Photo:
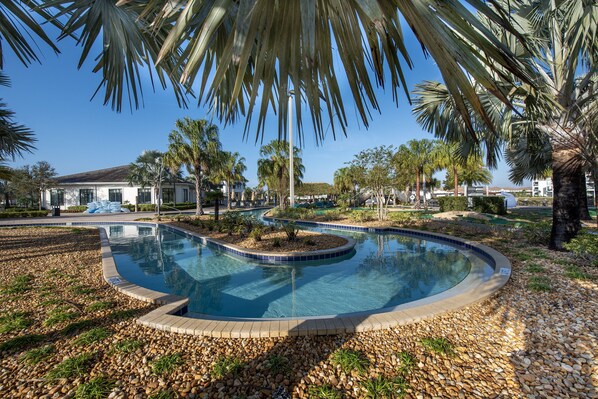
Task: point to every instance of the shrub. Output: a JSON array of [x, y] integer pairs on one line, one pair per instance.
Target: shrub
[[256, 233], [438, 345], [20, 342], [585, 245], [166, 364], [402, 218], [539, 283], [128, 345], [19, 284], [323, 392], [407, 362], [23, 214], [291, 230], [98, 388], [76, 208], [76, 366], [227, 365], [494, 205], [14, 321], [91, 336], [277, 364], [383, 387], [537, 233], [452, 204], [276, 242], [362, 216], [349, 360], [36, 355]]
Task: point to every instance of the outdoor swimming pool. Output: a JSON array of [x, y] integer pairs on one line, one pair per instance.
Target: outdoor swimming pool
[[385, 270]]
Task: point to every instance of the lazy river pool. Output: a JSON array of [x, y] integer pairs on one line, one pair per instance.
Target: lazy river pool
[[384, 270]]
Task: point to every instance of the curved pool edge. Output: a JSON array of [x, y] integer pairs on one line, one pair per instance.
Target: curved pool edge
[[168, 317], [270, 257]]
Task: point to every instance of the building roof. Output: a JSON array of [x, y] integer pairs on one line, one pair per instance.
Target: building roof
[[115, 174]]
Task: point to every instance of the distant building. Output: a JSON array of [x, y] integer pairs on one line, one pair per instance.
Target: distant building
[[112, 184], [543, 187]]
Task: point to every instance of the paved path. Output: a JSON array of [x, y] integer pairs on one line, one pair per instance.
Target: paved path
[[85, 217]]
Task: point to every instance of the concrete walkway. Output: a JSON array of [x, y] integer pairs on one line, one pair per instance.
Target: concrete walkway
[[86, 217]]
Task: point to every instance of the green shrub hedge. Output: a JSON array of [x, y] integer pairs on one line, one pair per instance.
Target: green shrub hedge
[[452, 204], [23, 214], [494, 205]]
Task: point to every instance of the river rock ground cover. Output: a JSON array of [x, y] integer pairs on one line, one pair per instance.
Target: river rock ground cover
[[66, 333]]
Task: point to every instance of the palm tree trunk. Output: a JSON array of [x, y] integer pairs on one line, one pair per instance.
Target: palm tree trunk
[[417, 189], [584, 211], [198, 189], [228, 195], [456, 182], [566, 213]]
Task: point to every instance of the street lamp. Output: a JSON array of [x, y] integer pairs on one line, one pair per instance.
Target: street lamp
[[291, 153], [160, 167]]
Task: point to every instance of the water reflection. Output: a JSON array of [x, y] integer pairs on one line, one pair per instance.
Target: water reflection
[[385, 270]]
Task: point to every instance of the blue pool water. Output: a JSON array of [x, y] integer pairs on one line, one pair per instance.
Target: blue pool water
[[385, 270]]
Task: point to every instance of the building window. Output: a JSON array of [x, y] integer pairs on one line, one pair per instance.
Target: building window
[[85, 196], [115, 195], [57, 197], [168, 195], [144, 196], [185, 195]]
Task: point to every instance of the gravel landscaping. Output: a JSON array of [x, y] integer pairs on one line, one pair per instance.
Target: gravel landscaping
[[64, 333]]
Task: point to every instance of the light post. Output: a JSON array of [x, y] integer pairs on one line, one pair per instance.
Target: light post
[[160, 166], [291, 152]]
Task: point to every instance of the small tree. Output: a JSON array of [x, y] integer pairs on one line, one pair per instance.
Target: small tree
[[148, 171], [374, 172], [42, 175]]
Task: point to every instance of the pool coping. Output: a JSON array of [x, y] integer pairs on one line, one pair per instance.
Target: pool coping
[[168, 317], [270, 257]]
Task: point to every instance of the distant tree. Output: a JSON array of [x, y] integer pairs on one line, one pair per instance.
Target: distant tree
[[23, 188], [231, 170], [374, 172], [273, 168], [42, 176], [415, 157], [195, 144], [148, 171]]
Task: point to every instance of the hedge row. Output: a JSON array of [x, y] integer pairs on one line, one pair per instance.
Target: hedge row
[[493, 205], [452, 204], [23, 214]]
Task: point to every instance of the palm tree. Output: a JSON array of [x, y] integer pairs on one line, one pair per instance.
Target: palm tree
[[416, 157], [555, 118], [246, 53], [148, 171], [345, 181], [273, 168], [195, 144], [231, 171]]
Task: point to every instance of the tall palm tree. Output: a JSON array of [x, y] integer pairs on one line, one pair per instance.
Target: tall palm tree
[[246, 53], [231, 171], [195, 144], [416, 157], [148, 171], [556, 114], [273, 168]]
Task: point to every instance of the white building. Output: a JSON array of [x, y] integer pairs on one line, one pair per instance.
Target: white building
[[112, 184], [543, 187]]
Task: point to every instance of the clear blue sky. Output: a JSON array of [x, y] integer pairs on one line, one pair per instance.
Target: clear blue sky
[[75, 134]]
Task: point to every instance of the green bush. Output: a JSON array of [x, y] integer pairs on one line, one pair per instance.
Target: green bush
[[585, 245], [291, 230], [452, 204], [362, 216], [293, 213], [494, 205], [76, 208], [22, 214], [537, 233]]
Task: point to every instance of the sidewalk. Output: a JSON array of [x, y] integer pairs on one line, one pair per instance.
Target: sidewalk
[[85, 217]]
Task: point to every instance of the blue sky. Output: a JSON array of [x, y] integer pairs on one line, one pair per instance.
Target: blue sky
[[75, 134]]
